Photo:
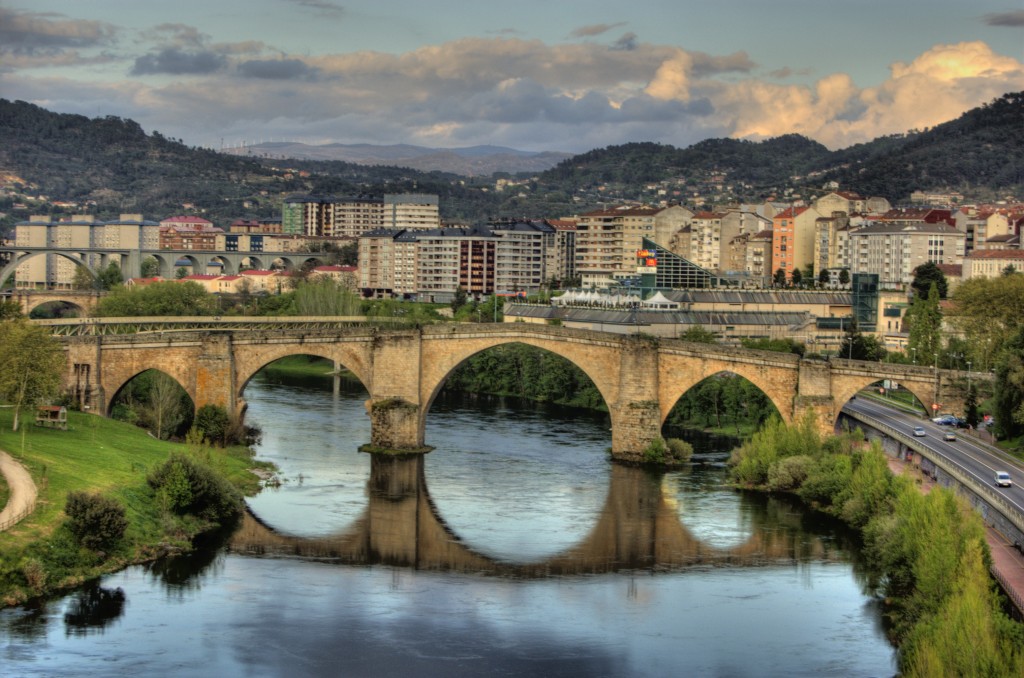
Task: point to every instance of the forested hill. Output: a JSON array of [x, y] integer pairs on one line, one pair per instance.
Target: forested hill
[[113, 163], [982, 152]]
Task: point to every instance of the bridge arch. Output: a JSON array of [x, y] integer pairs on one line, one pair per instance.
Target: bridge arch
[[254, 358], [22, 257], [71, 308], [438, 365], [846, 388], [681, 373], [226, 264], [724, 379], [164, 400]]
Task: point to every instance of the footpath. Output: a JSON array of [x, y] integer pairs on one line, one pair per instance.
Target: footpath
[[1007, 561], [22, 499]]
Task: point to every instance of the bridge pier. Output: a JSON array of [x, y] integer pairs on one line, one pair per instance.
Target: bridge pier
[[395, 427], [215, 374]]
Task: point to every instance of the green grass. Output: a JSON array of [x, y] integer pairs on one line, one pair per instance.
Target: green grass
[[301, 365], [5, 492], [111, 458]]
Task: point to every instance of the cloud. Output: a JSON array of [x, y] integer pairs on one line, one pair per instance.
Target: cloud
[[595, 29], [277, 69], [1013, 19], [28, 32], [626, 42], [173, 61], [320, 6], [520, 93]]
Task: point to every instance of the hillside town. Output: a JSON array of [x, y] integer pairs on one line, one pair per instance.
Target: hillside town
[[770, 270]]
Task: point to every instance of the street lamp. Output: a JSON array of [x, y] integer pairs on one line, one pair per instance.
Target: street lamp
[[914, 355], [968, 376]]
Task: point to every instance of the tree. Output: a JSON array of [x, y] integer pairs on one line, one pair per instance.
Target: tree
[[32, 363], [797, 277], [110, 276], [1009, 389], [1009, 270], [925, 276], [459, 300], [780, 278], [83, 279], [180, 272], [159, 298], [9, 310], [925, 320], [699, 334], [824, 277], [971, 415], [857, 346], [150, 267], [97, 521], [165, 410], [844, 277], [989, 312]]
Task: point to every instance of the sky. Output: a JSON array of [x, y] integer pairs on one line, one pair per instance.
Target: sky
[[557, 75]]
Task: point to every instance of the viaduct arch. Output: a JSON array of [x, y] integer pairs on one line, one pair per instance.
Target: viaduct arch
[[640, 378]]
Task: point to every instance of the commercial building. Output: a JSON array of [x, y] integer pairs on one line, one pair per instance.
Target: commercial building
[[893, 250], [607, 240], [992, 263]]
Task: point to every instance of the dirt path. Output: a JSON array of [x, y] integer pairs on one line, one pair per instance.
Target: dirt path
[[23, 491]]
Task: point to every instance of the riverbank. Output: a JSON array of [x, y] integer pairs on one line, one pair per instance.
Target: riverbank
[[96, 455]]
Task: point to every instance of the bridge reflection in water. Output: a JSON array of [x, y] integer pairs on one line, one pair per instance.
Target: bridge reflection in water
[[639, 527]]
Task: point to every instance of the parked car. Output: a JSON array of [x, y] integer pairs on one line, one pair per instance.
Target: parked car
[[919, 432], [1003, 479], [949, 436]]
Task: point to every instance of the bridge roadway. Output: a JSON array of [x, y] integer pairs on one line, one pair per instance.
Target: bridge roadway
[[1002, 508], [404, 367], [639, 527]]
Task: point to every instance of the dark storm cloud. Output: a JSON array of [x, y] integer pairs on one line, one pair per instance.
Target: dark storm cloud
[[595, 29], [174, 61], [1014, 19], [321, 6], [277, 69], [626, 42], [27, 32]]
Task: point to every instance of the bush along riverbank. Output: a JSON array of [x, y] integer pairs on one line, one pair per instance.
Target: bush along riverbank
[[927, 552], [110, 495]]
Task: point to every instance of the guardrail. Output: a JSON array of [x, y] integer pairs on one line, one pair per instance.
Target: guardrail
[[951, 468], [77, 327]]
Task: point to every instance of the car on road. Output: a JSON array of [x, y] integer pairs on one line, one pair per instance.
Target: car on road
[[945, 420], [919, 432], [1003, 479], [949, 436]]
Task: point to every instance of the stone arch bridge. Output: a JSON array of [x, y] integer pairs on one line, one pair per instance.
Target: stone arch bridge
[[403, 369]]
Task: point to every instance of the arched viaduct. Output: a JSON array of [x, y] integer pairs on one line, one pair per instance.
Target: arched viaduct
[[403, 369]]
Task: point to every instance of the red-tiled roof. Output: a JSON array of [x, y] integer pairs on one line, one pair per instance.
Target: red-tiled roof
[[186, 220], [996, 254], [256, 272]]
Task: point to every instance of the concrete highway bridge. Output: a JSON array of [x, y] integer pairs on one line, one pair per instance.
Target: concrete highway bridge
[[404, 367], [130, 260], [639, 527]]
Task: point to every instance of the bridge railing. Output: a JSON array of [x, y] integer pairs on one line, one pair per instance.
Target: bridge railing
[[950, 467], [73, 327]]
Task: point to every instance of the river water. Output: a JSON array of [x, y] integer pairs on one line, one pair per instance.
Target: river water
[[514, 548]]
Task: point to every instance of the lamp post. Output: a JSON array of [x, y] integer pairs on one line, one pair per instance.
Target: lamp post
[[913, 355], [968, 376]]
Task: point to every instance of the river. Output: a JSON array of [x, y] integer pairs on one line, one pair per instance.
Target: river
[[514, 548]]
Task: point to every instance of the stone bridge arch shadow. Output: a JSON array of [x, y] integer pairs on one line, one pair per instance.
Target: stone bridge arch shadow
[[155, 400], [56, 308], [553, 361], [905, 395]]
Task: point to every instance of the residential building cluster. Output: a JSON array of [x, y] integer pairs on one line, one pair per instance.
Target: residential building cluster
[[405, 251]]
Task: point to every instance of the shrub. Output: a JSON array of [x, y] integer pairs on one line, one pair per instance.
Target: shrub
[[679, 450], [96, 521], [789, 473], [187, 486], [213, 422]]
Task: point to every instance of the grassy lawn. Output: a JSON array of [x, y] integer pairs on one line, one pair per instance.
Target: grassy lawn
[[111, 458], [5, 493]]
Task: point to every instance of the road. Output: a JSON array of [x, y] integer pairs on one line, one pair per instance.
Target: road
[[976, 458]]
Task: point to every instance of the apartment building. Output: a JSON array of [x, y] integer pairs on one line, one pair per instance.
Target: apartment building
[[387, 263], [560, 250], [416, 211], [831, 242], [981, 226], [893, 250], [520, 254], [188, 233], [129, 231], [758, 263], [992, 263], [607, 240], [450, 258], [793, 239]]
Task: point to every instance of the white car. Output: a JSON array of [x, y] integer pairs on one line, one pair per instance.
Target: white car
[[1003, 479], [919, 432]]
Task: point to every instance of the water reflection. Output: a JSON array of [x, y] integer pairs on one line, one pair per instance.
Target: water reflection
[[639, 527], [92, 609]]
